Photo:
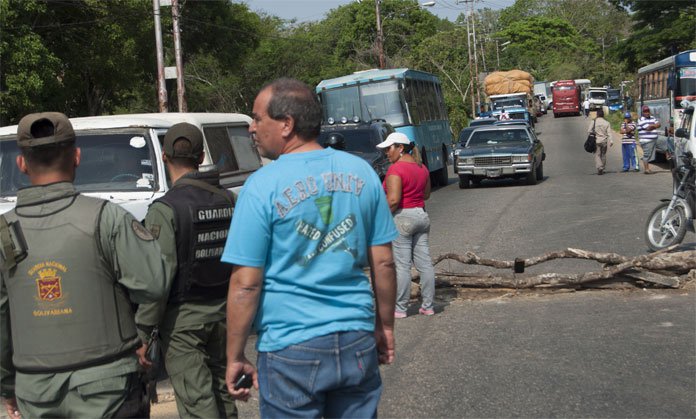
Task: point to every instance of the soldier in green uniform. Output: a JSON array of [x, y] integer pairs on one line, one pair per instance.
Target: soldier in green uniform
[[191, 222], [72, 269]]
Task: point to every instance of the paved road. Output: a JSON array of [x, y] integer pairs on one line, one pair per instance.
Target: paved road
[[590, 353]]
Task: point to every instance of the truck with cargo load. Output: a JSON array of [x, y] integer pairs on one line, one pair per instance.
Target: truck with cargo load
[[511, 90]]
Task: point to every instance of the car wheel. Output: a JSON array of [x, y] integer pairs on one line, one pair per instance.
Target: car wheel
[[532, 177], [540, 171], [464, 181], [476, 181], [555, 115]]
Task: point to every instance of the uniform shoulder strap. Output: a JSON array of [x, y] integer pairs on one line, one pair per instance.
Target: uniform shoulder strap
[[12, 244]]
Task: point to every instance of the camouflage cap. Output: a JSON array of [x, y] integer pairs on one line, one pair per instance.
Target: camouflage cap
[[188, 132], [62, 129]]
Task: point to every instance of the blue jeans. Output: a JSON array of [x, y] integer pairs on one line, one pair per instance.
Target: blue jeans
[[332, 376], [412, 245], [628, 151]]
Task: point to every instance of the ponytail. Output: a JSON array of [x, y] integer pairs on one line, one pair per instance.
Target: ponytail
[[413, 151], [417, 156]]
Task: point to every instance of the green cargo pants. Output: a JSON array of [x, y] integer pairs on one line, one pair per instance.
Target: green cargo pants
[[102, 398], [195, 361]]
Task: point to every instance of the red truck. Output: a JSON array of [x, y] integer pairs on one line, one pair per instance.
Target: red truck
[[566, 98]]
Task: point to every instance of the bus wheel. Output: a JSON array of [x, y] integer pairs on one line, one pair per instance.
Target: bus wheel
[[443, 177]]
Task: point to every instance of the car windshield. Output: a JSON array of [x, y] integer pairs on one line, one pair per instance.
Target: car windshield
[[498, 137], [598, 95], [464, 135], [359, 140], [110, 162], [508, 103]]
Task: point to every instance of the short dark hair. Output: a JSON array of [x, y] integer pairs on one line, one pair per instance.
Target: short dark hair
[[600, 112], [50, 157], [292, 98], [182, 146]]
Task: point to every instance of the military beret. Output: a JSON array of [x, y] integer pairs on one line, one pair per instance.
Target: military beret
[[186, 131], [62, 129]]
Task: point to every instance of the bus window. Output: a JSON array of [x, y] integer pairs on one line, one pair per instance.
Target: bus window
[[383, 100], [413, 107]]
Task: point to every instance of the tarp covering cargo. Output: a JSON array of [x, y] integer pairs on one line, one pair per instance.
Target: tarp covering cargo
[[505, 82]]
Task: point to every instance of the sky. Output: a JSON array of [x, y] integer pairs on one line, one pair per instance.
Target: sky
[[311, 10]]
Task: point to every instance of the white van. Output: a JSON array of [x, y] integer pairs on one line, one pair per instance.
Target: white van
[[122, 156]]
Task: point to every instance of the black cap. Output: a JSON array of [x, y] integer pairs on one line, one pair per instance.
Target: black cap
[[188, 132], [62, 129]]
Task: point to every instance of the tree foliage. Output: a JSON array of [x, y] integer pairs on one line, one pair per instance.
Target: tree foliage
[[660, 29], [88, 57]]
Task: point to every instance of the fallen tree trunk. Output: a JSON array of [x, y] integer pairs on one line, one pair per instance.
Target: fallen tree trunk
[[662, 268]]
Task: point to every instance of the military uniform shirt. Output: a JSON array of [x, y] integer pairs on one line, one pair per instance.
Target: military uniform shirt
[[137, 265]]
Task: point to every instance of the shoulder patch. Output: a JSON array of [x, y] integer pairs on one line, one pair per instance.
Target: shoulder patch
[[141, 231], [155, 230]]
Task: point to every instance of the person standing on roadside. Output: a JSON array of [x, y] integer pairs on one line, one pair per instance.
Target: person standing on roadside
[[647, 134], [586, 107], [628, 143], [72, 269], [303, 230], [603, 132], [407, 185], [191, 222]]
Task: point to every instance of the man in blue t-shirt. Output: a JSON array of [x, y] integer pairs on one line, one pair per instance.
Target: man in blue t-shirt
[[304, 228]]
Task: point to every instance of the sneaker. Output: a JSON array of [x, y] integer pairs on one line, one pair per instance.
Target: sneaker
[[426, 311], [400, 315]]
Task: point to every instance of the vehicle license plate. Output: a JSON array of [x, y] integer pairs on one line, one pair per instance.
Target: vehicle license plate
[[493, 172]]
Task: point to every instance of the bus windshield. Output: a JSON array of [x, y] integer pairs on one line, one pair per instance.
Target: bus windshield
[[343, 102], [380, 100], [687, 84]]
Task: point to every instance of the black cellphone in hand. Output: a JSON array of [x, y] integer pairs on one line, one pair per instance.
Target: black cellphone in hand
[[244, 381]]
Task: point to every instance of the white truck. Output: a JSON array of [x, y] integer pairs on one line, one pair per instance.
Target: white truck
[[597, 97]]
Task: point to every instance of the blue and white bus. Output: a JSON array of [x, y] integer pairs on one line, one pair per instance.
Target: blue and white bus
[[667, 85], [410, 100]]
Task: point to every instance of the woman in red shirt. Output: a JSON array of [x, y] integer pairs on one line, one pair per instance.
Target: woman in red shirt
[[407, 185]]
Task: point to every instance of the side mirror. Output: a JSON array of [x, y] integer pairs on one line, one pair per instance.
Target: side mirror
[[681, 133]]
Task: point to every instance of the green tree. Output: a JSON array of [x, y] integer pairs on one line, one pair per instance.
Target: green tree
[[660, 29], [445, 55], [27, 66]]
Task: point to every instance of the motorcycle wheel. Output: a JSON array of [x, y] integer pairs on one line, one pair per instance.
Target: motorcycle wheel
[[658, 235]]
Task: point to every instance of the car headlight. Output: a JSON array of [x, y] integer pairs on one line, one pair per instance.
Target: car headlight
[[522, 159], [465, 160]]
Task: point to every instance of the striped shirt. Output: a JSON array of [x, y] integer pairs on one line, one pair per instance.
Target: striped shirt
[[628, 137], [643, 134]]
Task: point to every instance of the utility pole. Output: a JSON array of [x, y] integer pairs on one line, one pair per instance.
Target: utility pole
[[180, 89], [161, 86], [476, 71], [472, 78], [380, 39]]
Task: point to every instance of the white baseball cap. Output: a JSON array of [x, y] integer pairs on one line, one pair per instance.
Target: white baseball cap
[[394, 138]]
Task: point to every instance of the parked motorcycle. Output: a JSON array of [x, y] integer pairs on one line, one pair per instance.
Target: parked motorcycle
[[669, 221]]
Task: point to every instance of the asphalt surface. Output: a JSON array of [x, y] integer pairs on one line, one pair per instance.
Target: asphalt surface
[[562, 354]]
